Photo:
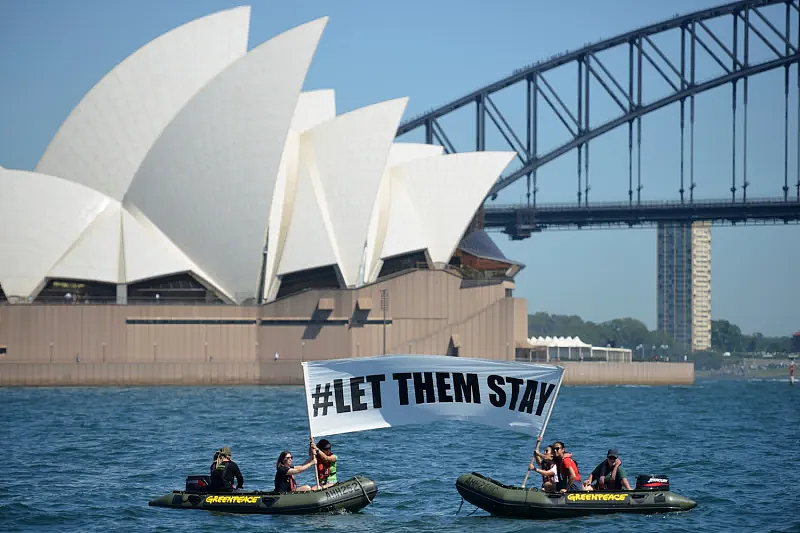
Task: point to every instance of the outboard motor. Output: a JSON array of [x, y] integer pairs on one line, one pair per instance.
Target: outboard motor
[[198, 483], [652, 482]]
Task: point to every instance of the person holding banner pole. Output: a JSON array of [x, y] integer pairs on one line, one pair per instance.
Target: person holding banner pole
[[544, 427], [313, 451], [548, 470], [312, 447], [326, 465]]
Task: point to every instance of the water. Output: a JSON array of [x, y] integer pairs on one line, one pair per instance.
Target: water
[[89, 459]]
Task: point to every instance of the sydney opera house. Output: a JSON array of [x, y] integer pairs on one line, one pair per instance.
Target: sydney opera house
[[198, 218]]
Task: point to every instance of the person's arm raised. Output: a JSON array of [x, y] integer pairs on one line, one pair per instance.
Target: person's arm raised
[[302, 468], [537, 455]]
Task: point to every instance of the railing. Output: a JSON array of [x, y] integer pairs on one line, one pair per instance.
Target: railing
[[636, 205]]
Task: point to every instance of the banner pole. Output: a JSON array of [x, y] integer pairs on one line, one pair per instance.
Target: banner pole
[[544, 426], [310, 429]]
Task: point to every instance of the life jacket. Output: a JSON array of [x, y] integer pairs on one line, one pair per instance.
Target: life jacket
[[601, 481], [323, 471], [218, 481], [326, 472]]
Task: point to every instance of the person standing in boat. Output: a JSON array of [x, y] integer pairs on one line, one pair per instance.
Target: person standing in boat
[[284, 475], [569, 477], [224, 472], [608, 475], [326, 464]]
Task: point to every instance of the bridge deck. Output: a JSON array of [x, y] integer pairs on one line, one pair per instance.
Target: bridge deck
[[519, 221]]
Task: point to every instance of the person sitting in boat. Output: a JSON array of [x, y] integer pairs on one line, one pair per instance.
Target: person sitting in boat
[[284, 476], [569, 477], [326, 464], [608, 475], [546, 466], [213, 463], [224, 472]]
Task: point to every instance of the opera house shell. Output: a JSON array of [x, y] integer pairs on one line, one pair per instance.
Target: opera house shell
[[196, 156], [197, 172]]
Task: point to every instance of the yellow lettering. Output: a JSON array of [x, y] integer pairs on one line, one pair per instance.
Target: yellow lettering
[[231, 499], [593, 496]]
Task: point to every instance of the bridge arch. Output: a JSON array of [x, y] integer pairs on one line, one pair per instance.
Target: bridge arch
[[680, 74]]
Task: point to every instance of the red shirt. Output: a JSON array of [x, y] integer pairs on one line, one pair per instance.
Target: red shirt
[[567, 462]]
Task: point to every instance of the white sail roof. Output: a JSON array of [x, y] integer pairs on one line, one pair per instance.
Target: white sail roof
[[192, 154], [313, 108], [445, 193], [40, 218], [95, 253], [105, 138], [398, 154], [217, 161], [404, 229], [55, 228], [148, 253]]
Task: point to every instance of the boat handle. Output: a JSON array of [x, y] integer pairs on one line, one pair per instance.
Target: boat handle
[[638, 496], [362, 489]]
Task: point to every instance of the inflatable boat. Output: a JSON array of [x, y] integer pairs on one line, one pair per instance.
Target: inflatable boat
[[651, 496], [351, 495]]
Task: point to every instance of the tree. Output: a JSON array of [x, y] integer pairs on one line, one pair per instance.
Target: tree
[[631, 333], [726, 337]]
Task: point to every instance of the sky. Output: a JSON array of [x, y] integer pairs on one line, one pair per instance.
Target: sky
[[434, 52]]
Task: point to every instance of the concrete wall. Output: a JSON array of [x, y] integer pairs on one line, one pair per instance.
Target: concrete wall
[[288, 373], [160, 344], [429, 312], [586, 373]]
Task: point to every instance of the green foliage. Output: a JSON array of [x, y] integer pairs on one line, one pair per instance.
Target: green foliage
[[711, 360], [620, 332], [727, 337], [632, 333]]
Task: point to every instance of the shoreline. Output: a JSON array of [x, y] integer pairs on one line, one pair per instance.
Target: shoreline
[[288, 372], [706, 375]]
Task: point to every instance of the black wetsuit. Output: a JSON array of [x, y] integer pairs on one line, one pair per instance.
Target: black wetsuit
[[223, 475]]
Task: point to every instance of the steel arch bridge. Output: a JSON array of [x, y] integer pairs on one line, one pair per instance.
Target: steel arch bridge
[[624, 87]]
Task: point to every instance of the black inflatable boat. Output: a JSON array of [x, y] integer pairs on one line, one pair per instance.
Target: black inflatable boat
[[503, 500], [351, 495]]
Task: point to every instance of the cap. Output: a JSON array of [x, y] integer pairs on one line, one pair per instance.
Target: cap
[[226, 451], [613, 452]]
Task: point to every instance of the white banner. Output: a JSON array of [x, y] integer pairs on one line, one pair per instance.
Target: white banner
[[346, 395]]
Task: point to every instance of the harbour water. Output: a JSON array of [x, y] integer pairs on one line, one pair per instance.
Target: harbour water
[[89, 459]]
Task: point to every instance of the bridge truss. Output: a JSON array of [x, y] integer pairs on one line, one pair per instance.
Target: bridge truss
[[747, 24]]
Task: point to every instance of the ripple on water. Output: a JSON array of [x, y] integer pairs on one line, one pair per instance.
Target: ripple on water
[[94, 457]]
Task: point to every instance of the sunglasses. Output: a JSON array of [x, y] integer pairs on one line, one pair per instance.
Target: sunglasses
[[556, 448]]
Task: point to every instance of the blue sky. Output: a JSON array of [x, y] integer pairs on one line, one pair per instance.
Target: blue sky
[[433, 52]]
